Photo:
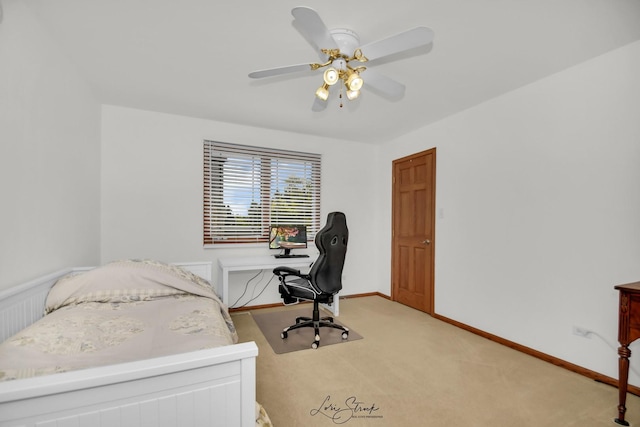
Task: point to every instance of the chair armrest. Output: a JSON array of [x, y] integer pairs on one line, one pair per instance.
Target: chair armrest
[[286, 271]]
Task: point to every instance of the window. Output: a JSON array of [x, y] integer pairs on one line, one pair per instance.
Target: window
[[248, 188]]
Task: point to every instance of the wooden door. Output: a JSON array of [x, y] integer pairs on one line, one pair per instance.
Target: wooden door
[[413, 218]]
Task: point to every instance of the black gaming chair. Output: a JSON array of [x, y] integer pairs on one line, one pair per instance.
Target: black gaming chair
[[323, 281]]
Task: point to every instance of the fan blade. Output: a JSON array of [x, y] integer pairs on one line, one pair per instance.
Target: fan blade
[[386, 86], [280, 70], [415, 37], [309, 23]]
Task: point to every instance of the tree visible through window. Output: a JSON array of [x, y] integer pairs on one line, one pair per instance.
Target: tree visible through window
[[246, 189]]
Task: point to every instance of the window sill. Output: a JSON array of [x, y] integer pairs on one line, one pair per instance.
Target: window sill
[[235, 245]]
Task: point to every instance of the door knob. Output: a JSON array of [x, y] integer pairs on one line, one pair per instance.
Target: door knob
[[426, 241]]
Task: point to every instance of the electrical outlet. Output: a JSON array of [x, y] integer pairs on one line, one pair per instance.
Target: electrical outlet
[[581, 332]]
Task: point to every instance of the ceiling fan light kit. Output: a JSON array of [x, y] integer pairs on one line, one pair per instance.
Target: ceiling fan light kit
[[345, 68]]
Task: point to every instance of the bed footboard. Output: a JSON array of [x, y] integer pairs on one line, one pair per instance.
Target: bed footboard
[[214, 387]]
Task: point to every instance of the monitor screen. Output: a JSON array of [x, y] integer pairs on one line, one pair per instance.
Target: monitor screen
[[287, 237]]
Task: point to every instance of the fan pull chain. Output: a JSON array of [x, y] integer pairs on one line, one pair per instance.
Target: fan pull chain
[[340, 96]]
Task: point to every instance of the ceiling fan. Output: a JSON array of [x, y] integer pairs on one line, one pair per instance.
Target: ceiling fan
[[344, 59]]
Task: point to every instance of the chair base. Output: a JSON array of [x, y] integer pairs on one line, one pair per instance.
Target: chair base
[[316, 322]]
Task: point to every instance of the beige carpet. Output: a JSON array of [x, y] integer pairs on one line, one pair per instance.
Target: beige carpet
[[271, 324], [414, 370]]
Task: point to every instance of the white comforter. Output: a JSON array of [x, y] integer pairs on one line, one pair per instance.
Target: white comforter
[[123, 311]]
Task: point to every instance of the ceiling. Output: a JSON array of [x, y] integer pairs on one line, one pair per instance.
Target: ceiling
[[192, 57]]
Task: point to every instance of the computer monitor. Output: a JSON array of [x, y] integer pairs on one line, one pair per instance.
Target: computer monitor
[[287, 237]]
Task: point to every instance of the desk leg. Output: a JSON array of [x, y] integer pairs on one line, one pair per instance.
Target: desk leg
[[333, 308], [623, 374], [223, 282]]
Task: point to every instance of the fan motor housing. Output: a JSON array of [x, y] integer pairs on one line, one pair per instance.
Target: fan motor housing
[[347, 40]]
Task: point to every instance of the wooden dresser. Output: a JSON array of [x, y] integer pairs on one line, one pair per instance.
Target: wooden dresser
[[628, 331]]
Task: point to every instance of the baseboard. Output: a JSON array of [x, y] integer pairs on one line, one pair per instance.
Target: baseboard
[[539, 355], [518, 347], [368, 294]]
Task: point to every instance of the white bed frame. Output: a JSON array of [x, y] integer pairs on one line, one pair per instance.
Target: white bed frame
[[214, 387]]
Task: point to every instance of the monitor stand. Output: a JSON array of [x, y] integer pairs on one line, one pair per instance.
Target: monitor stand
[[287, 254]]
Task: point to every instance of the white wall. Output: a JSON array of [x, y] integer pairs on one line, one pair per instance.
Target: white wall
[[152, 192], [540, 200], [49, 155]]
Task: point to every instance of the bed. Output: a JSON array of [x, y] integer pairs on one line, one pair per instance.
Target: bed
[[119, 372]]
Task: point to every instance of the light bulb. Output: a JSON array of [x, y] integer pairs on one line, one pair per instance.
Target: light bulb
[[352, 94], [354, 82], [331, 76], [323, 92]]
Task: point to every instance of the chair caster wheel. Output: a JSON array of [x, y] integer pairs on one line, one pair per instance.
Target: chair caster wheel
[[284, 335], [315, 345], [345, 335]]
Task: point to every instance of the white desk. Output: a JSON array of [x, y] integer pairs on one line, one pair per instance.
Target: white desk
[[227, 265]]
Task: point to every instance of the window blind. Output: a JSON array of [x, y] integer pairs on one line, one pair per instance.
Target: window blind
[[246, 189]]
